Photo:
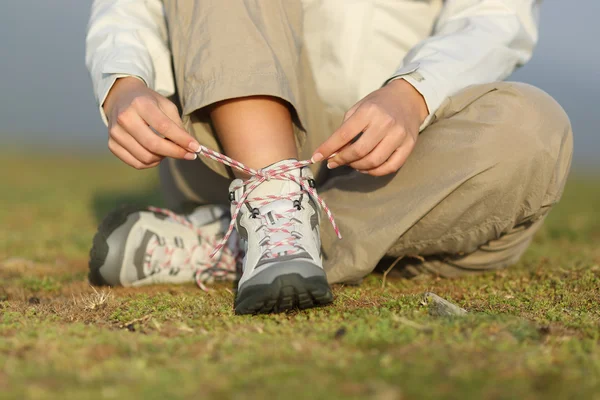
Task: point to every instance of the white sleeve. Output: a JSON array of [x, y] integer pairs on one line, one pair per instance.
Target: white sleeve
[[128, 38], [474, 42]]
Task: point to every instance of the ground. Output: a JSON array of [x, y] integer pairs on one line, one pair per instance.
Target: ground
[[532, 331]]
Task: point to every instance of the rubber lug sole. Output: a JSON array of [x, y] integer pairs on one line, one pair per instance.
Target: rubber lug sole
[[99, 249], [285, 293]]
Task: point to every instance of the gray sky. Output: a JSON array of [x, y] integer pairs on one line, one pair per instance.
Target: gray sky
[[46, 95]]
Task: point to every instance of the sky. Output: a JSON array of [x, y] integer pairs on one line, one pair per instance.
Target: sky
[[46, 96]]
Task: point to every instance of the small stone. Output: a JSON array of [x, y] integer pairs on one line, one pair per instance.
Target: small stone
[[34, 300], [130, 327], [441, 307]]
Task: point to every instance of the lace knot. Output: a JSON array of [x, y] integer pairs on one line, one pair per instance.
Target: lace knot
[[266, 174]]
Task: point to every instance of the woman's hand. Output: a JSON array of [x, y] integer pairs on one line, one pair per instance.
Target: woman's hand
[[389, 120], [132, 108]]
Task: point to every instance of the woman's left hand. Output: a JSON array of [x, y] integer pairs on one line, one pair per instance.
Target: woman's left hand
[[389, 120]]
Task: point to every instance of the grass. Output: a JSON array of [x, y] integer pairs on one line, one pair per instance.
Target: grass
[[532, 332]]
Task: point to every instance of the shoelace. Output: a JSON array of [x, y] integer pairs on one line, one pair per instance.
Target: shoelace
[[292, 236], [258, 176], [224, 268]]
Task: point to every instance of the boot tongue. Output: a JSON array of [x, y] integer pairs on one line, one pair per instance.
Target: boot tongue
[[274, 209], [277, 187]]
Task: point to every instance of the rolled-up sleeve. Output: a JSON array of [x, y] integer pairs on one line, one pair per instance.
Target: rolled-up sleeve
[[128, 38], [474, 42]]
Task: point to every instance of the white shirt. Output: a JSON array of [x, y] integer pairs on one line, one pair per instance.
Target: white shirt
[[355, 46]]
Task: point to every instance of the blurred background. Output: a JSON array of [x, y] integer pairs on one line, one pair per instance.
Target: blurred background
[[46, 99]]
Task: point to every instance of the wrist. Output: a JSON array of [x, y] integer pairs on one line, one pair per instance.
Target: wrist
[[416, 98], [121, 84]]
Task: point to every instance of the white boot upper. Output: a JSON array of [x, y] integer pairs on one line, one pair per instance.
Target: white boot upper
[[279, 223], [164, 247]]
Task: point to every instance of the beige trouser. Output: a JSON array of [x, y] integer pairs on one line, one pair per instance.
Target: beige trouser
[[476, 188]]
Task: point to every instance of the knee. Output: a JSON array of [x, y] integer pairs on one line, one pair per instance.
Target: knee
[[532, 131], [534, 147], [538, 121]]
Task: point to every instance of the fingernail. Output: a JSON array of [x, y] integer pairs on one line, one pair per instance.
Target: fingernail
[[317, 157], [362, 172], [190, 156], [331, 156], [194, 146], [332, 165]]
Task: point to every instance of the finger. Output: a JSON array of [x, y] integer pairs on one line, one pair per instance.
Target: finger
[[125, 140], [354, 125], [125, 156], [141, 132], [394, 163], [161, 123], [360, 148], [351, 111], [380, 154], [171, 111]]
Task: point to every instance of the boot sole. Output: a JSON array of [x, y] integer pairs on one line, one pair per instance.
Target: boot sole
[[285, 293], [99, 249]]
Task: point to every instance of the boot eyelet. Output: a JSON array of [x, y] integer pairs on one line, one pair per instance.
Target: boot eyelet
[[297, 205]]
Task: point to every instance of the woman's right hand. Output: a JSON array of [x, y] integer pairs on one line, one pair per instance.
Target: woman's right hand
[[132, 108]]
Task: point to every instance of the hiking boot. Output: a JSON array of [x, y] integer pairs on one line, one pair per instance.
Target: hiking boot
[[143, 246], [277, 220]]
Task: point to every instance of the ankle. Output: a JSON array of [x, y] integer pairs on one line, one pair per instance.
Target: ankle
[[256, 131]]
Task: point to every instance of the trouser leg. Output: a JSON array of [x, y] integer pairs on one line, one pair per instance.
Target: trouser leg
[[475, 189], [188, 184], [495, 254], [225, 49]]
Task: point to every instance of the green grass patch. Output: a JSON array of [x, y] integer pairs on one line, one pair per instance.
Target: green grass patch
[[532, 331]]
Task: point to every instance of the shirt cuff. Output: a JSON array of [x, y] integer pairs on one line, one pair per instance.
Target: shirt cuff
[[419, 79], [106, 84]]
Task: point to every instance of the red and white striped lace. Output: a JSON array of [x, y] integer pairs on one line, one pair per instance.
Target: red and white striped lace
[[258, 176], [224, 268], [292, 237]]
